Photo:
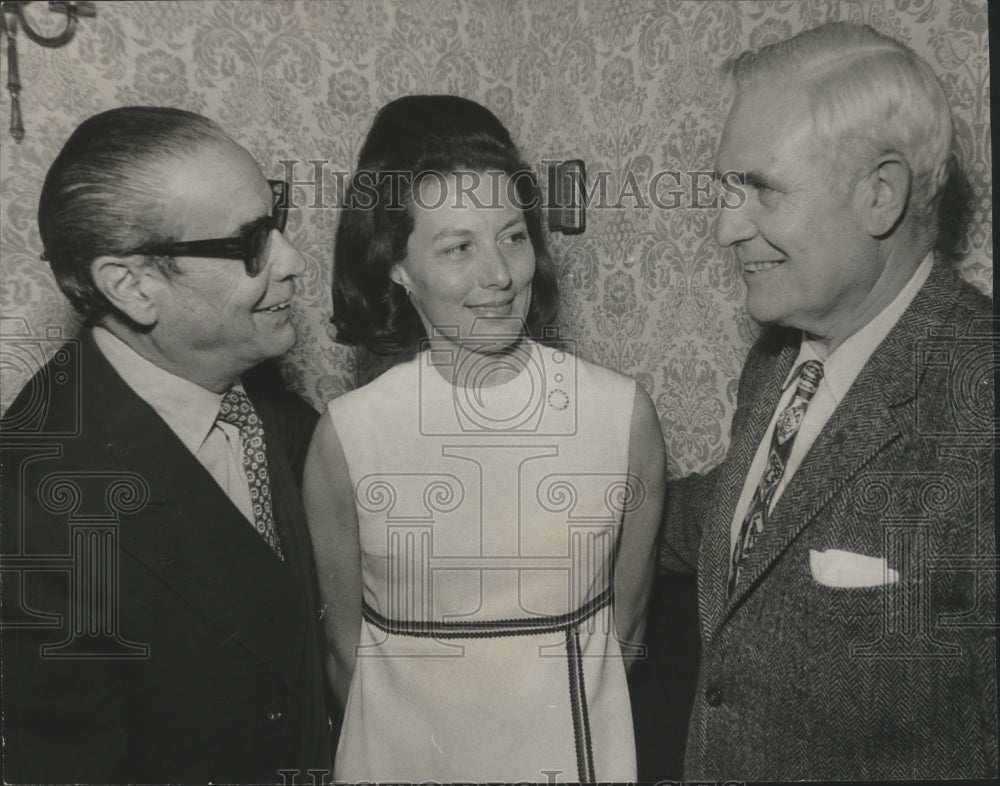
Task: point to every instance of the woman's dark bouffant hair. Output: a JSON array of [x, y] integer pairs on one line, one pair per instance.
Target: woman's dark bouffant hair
[[440, 134]]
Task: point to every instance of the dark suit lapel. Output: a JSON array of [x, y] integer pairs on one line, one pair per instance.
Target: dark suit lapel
[[764, 386], [190, 534], [869, 418]]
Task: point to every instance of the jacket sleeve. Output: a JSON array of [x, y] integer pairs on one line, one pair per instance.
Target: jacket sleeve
[[686, 510]]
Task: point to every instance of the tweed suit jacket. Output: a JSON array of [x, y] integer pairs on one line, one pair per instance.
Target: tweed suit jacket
[[802, 680], [203, 663]]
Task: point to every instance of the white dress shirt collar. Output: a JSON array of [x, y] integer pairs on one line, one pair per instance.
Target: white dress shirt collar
[[844, 364], [187, 408]]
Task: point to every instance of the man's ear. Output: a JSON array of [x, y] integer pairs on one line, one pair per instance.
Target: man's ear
[[881, 197], [129, 284]]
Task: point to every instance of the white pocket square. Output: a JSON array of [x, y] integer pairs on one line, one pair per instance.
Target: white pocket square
[[836, 568]]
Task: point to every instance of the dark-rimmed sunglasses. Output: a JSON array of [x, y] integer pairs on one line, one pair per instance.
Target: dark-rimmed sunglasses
[[251, 245]]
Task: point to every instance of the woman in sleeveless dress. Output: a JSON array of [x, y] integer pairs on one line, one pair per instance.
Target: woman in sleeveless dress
[[484, 513]]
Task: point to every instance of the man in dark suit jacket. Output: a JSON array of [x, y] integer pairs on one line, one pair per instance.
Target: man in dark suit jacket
[[845, 549], [160, 613]]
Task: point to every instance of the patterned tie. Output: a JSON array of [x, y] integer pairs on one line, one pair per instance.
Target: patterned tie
[[785, 429], [237, 410]]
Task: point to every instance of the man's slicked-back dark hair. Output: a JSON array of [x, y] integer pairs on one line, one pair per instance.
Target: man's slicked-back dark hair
[[102, 194], [440, 135]]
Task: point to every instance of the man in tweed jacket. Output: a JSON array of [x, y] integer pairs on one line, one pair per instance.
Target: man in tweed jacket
[[858, 638]]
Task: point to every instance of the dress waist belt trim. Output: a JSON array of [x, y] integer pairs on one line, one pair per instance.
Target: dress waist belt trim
[[458, 629], [525, 626]]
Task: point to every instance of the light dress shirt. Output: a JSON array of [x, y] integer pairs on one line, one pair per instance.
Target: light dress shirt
[[190, 411], [840, 370]]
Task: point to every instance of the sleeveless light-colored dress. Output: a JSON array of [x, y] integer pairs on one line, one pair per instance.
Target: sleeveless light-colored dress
[[488, 522]]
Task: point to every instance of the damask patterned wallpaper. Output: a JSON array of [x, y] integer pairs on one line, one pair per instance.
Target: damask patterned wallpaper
[[629, 86]]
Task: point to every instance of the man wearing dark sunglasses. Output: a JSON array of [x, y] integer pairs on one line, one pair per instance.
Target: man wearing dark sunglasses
[[159, 605], [251, 244]]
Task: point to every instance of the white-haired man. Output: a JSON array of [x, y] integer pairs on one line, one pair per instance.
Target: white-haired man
[[846, 547]]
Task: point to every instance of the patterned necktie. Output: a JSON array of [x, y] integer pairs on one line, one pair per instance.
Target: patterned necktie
[[237, 410], [785, 429]]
